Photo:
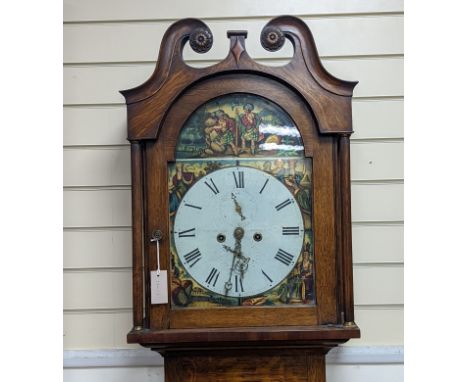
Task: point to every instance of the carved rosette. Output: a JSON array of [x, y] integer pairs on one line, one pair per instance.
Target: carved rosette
[[201, 40], [272, 38]]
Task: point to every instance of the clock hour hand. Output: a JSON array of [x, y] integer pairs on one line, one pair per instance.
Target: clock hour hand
[[238, 206], [228, 284], [229, 249], [239, 261], [237, 251]]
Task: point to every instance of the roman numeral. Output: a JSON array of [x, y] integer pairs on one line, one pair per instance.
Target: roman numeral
[[284, 257], [268, 277], [212, 186], [212, 277], [290, 230], [239, 179], [280, 206], [187, 233], [239, 284], [192, 257], [192, 206], [264, 185]]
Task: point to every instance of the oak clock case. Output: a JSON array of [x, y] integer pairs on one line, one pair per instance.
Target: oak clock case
[[244, 170]]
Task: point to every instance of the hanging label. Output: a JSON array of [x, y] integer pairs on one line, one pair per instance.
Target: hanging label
[[159, 287]]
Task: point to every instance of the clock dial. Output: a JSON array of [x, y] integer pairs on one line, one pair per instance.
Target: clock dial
[[240, 207], [238, 231]]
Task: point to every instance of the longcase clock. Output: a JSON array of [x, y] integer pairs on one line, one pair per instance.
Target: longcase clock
[[242, 264]]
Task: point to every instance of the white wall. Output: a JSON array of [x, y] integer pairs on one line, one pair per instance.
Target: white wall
[[111, 45]]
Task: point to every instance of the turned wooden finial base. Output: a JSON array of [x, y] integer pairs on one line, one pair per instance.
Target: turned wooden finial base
[[282, 365]]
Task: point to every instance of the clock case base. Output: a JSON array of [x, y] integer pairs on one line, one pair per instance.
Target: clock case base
[[276, 336], [288, 353], [304, 365]]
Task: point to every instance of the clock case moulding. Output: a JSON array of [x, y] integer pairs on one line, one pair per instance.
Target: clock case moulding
[[321, 106]]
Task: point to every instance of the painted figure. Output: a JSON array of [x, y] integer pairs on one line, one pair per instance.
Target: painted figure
[[230, 125], [299, 185], [181, 182], [220, 133], [306, 289], [249, 127]]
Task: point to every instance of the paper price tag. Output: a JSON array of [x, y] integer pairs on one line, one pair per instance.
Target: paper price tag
[[159, 287]]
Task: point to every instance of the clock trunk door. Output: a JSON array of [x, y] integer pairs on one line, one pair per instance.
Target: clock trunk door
[[237, 181]]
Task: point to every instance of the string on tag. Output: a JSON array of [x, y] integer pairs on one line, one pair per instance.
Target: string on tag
[[158, 271]]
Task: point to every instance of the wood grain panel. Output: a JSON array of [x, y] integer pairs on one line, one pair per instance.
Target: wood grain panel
[[136, 42], [234, 317], [247, 366], [111, 10], [100, 84]]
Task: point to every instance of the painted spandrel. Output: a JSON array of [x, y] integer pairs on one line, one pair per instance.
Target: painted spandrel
[[298, 287]]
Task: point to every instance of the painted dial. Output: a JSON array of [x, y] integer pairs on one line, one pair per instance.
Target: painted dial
[[238, 231]]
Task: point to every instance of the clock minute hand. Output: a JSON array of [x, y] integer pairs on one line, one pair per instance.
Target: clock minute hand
[[238, 206]]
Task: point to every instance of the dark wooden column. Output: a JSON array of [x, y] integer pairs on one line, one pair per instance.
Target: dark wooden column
[[346, 233], [137, 233]]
